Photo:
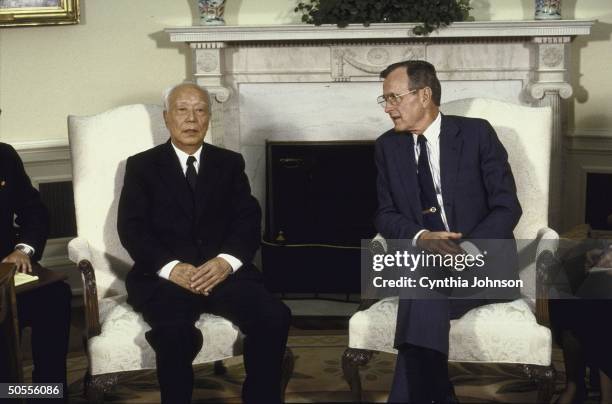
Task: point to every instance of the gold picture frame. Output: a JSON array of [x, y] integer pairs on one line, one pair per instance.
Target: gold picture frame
[[17, 13]]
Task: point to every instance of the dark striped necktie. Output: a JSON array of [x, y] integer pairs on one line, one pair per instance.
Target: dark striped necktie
[[432, 220], [191, 175]]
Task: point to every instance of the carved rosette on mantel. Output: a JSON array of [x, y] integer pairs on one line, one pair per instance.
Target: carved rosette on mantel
[[518, 61]]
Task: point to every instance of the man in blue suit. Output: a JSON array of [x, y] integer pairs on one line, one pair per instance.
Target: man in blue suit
[[441, 179]]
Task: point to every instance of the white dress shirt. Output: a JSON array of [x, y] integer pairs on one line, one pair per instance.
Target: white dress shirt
[[29, 249], [432, 134], [234, 262]]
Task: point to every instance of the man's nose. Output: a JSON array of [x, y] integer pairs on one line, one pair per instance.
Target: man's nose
[[191, 115], [388, 107]]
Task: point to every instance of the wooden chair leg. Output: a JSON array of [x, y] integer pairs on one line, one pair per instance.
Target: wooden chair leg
[[96, 386], [352, 359], [287, 371], [544, 377]]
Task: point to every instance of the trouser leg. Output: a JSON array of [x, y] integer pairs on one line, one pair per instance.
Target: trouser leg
[[264, 320], [172, 313], [47, 311], [422, 335]]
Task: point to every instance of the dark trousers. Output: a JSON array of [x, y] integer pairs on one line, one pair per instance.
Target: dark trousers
[[421, 370], [263, 319], [47, 312]]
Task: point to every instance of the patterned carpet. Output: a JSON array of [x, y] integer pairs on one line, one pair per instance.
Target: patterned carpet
[[318, 378]]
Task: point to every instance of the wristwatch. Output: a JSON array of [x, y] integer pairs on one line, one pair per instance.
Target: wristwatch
[[25, 249]]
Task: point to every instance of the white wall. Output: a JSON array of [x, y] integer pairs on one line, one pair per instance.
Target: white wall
[[119, 55]]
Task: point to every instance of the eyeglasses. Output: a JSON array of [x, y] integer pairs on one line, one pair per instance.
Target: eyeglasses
[[393, 99]]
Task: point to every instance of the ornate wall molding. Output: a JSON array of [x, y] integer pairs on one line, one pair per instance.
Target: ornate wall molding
[[592, 141]]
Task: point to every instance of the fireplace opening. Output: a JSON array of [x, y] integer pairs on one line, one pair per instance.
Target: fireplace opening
[[320, 204]]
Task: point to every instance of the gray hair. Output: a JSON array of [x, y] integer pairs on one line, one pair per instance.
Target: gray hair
[[421, 74], [168, 91]]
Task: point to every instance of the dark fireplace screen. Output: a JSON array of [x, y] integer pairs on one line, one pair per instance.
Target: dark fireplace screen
[[598, 206], [320, 203]]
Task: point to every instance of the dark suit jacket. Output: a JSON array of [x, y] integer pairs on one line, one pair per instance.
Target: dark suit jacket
[[158, 222], [477, 184], [20, 203]]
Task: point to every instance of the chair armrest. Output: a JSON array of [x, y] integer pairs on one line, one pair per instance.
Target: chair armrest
[[79, 253], [378, 245], [78, 250], [547, 265]]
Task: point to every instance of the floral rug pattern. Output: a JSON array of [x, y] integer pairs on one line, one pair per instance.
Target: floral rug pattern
[[318, 378]]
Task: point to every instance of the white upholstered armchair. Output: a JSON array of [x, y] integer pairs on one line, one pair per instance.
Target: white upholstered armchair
[[515, 332], [99, 145]]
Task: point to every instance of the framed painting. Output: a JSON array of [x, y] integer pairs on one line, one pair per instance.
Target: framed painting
[[15, 13]]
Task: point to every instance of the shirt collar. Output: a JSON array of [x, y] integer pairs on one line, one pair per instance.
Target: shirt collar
[[432, 133], [182, 156]]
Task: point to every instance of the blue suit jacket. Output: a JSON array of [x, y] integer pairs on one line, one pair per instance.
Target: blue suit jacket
[[477, 184]]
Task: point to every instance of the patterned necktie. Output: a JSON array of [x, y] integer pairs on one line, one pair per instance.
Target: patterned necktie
[[429, 202], [192, 176]]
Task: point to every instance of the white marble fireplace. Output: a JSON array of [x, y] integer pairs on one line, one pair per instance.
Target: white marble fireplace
[[299, 82]]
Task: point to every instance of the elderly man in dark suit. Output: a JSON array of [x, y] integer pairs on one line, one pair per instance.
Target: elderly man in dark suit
[[441, 179], [188, 219], [46, 310]]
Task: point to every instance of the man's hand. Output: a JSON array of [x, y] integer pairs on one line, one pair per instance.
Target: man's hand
[[21, 261], [181, 274], [440, 242], [210, 274]]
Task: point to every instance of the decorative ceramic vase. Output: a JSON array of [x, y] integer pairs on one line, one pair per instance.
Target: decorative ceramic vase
[[547, 9], [211, 12]]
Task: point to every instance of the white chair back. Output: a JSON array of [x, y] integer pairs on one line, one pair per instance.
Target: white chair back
[[99, 146], [526, 133]]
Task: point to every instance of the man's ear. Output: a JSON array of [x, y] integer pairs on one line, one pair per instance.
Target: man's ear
[[426, 95], [165, 117]]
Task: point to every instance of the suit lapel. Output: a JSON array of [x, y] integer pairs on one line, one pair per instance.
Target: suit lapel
[[450, 152], [406, 166], [171, 173]]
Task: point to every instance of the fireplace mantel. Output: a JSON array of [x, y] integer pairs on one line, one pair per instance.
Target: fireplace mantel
[[251, 69], [303, 32]]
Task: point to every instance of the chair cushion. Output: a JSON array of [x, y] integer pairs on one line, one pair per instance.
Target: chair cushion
[[500, 332], [122, 346]]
